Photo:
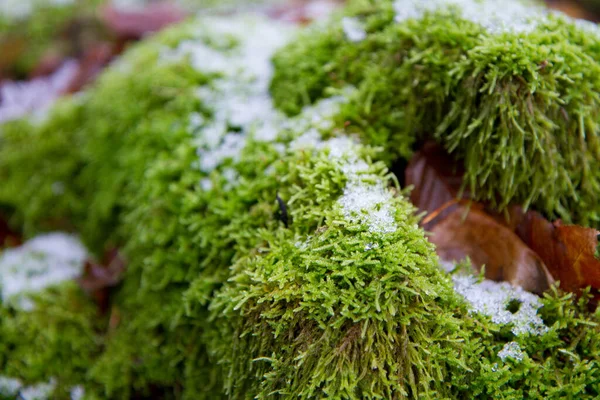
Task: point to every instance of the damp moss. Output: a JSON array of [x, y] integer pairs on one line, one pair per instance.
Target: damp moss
[[58, 339], [513, 96], [280, 260]]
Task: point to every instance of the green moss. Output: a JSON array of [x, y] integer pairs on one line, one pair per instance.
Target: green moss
[[59, 339], [519, 109], [226, 297]]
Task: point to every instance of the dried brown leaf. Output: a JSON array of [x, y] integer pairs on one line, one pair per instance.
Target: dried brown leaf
[[435, 176], [569, 251], [99, 278], [463, 230]]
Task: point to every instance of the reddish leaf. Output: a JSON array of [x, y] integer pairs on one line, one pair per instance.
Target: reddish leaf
[[435, 176], [98, 278], [568, 250], [461, 230], [91, 64], [136, 23]]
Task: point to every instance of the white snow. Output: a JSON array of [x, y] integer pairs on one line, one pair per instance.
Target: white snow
[[17, 99], [512, 350], [9, 386], [17, 9], [239, 96], [354, 29], [496, 16], [41, 262], [77, 392], [40, 391], [493, 298]]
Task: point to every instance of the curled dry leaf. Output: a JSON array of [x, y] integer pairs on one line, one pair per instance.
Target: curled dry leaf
[[461, 230], [569, 251], [91, 64], [98, 278], [435, 176]]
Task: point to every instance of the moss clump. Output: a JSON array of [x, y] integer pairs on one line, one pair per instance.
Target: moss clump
[[268, 256], [33, 28], [57, 340], [510, 90]]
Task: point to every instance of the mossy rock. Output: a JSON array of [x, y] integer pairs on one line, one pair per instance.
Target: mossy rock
[[268, 255]]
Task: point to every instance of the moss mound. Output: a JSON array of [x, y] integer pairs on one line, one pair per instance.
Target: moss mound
[[510, 89], [268, 255]]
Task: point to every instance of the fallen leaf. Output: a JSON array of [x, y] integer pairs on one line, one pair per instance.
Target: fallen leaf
[[569, 251], [91, 64], [462, 229], [435, 176], [135, 23], [99, 278]]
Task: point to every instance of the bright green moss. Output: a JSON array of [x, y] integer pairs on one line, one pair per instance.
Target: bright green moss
[[32, 35], [223, 296], [518, 108], [59, 339]]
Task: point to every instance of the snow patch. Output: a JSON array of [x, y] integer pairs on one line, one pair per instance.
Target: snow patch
[[512, 350], [18, 99], [494, 298], [19, 9], [9, 386], [41, 262], [354, 29], [40, 391], [496, 16], [239, 96]]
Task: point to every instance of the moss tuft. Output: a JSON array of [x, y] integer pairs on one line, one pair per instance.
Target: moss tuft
[[518, 106]]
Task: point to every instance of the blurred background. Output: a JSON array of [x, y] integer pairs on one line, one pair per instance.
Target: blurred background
[[52, 47]]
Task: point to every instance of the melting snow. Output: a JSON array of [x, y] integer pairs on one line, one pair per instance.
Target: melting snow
[[22, 8], [511, 350], [9, 386], [41, 262], [18, 99], [493, 298], [40, 391], [496, 16], [239, 96], [354, 29]]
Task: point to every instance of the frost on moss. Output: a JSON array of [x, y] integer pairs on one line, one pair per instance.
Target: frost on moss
[[285, 263], [508, 87]]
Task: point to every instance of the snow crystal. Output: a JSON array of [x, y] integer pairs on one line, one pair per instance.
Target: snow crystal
[[206, 184], [371, 246], [18, 99], [496, 16], [43, 261], [511, 350], [9, 386], [354, 29], [17, 9], [493, 299], [368, 204], [41, 391], [239, 97], [77, 392]]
